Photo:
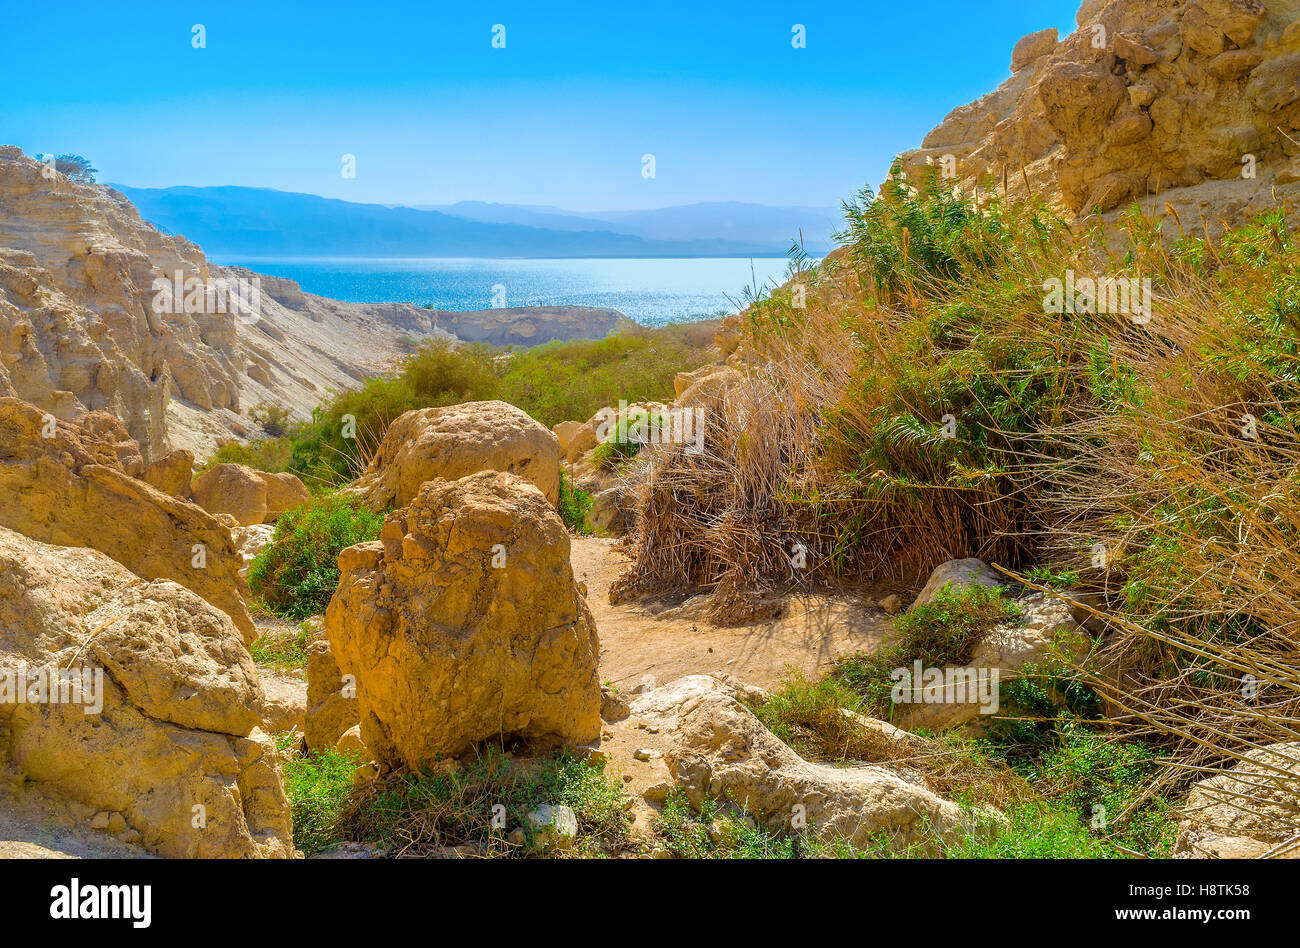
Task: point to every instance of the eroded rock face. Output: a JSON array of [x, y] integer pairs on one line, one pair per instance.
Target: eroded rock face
[[331, 703], [1199, 101], [175, 741], [1247, 813], [59, 485], [456, 441], [463, 623]]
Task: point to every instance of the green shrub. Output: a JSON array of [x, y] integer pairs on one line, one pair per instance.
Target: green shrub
[[721, 831], [296, 574], [318, 788], [564, 381], [282, 647], [554, 382], [273, 455], [276, 419], [448, 807], [940, 633], [575, 504], [626, 440]]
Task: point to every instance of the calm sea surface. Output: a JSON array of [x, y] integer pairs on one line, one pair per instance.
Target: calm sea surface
[[651, 291]]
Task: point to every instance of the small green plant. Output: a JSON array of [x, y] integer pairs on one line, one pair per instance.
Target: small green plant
[[283, 647], [275, 419], [940, 633], [575, 504], [273, 455], [626, 440], [420, 812], [1053, 577], [318, 787], [297, 572]]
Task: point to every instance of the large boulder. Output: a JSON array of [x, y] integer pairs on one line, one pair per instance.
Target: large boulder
[[232, 489], [60, 486], [613, 510], [164, 731], [580, 440], [718, 749], [171, 474], [250, 541], [455, 441], [284, 491], [564, 433], [1031, 48], [967, 572], [1046, 629], [1251, 811], [463, 623]]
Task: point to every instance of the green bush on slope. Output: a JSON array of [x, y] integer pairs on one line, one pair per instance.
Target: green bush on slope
[[297, 573]]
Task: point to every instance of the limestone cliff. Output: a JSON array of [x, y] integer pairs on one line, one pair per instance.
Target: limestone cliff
[[98, 311], [80, 326], [1196, 102]]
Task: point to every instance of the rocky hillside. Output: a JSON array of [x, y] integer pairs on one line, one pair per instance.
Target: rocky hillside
[[83, 328], [1197, 102]]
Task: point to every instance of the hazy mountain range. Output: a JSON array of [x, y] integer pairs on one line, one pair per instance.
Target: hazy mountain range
[[237, 222]]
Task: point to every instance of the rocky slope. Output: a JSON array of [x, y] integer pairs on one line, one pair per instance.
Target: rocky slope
[[1196, 102], [84, 325]]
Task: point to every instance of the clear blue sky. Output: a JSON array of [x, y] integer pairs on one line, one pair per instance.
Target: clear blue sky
[[561, 116]]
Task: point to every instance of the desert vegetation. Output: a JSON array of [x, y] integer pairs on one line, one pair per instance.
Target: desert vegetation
[[936, 404], [552, 382]]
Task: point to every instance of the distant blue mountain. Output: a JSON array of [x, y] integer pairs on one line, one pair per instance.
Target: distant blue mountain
[[730, 220], [236, 222]]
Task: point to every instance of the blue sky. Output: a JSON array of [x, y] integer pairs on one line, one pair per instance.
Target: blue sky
[[562, 115]]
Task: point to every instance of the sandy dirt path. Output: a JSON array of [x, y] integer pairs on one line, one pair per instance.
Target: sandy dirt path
[[669, 637]]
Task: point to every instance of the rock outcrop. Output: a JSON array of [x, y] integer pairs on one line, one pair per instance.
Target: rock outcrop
[[463, 623], [529, 326], [65, 483], [1196, 102], [250, 496], [162, 736], [456, 441], [1249, 812], [232, 489], [284, 491], [331, 702], [717, 749]]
